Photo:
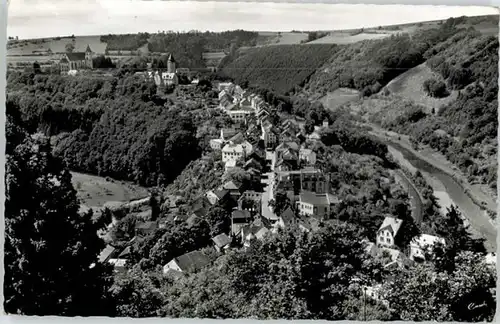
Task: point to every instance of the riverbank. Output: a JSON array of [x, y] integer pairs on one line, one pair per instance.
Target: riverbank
[[476, 193]]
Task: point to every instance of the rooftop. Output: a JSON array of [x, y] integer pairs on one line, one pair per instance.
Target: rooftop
[[193, 260], [221, 240], [391, 223]]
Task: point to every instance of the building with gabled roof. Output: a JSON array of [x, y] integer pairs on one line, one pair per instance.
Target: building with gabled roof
[[189, 262], [313, 204], [388, 231], [221, 242], [239, 218]]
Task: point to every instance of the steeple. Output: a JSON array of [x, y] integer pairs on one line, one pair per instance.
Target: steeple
[[88, 50], [171, 64]]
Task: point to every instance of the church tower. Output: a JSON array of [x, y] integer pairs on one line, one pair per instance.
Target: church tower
[[88, 58], [171, 64]]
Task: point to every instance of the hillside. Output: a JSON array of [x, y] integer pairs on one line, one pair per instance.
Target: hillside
[[279, 68], [461, 124]]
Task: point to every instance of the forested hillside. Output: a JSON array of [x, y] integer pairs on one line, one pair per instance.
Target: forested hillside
[[465, 130], [114, 126], [280, 68]]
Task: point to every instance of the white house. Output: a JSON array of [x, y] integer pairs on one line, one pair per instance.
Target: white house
[[216, 144], [422, 244], [313, 204], [388, 232], [234, 152]]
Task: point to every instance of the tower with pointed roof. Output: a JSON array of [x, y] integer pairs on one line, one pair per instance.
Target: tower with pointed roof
[[88, 58], [171, 64]]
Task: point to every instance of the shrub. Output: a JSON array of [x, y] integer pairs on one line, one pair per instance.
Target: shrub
[[435, 88]]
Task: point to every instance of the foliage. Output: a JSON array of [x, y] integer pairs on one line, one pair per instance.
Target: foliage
[[108, 126], [463, 295], [163, 245], [130, 42], [278, 68], [435, 88], [102, 62], [292, 275], [365, 64], [49, 246]]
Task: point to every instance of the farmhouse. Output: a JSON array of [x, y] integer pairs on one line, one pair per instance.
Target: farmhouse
[[76, 61]]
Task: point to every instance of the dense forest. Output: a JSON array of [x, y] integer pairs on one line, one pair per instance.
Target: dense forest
[[113, 126], [279, 68]]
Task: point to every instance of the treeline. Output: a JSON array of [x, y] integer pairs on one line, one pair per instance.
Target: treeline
[[125, 42], [110, 126], [279, 68], [369, 65]]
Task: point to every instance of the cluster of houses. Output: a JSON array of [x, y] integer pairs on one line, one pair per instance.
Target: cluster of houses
[[284, 161]]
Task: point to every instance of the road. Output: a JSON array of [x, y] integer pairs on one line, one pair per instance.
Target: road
[[268, 181], [415, 200], [476, 217]]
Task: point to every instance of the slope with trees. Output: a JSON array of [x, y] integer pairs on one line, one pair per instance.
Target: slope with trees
[[280, 68], [51, 251]]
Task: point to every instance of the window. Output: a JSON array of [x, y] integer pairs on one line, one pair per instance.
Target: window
[[389, 240]]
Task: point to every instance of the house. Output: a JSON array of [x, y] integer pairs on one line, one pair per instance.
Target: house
[[269, 134], [239, 218], [284, 165], [221, 242], [232, 187], [307, 155], [238, 138], [423, 244], [216, 144], [252, 163], [107, 253], [145, 228], [313, 204], [250, 200], [388, 231], [214, 196], [228, 86], [308, 224], [236, 151], [257, 230], [286, 219], [76, 61], [238, 113], [227, 133], [119, 265], [392, 258], [189, 262], [229, 165]]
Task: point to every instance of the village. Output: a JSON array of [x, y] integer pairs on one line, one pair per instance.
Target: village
[[282, 159]]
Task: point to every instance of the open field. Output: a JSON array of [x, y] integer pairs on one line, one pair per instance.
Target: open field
[[339, 97], [347, 38], [56, 45], [409, 85], [281, 38], [94, 191]]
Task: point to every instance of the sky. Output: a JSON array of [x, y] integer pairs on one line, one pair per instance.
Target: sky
[[50, 18]]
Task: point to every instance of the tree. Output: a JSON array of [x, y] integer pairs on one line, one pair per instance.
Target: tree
[[219, 220], [463, 295], [280, 203], [69, 48], [51, 250], [36, 68]]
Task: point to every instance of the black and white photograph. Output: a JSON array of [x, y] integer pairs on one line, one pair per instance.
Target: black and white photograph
[[251, 160]]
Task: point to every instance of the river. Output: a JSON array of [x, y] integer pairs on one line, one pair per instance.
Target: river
[[476, 217]]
